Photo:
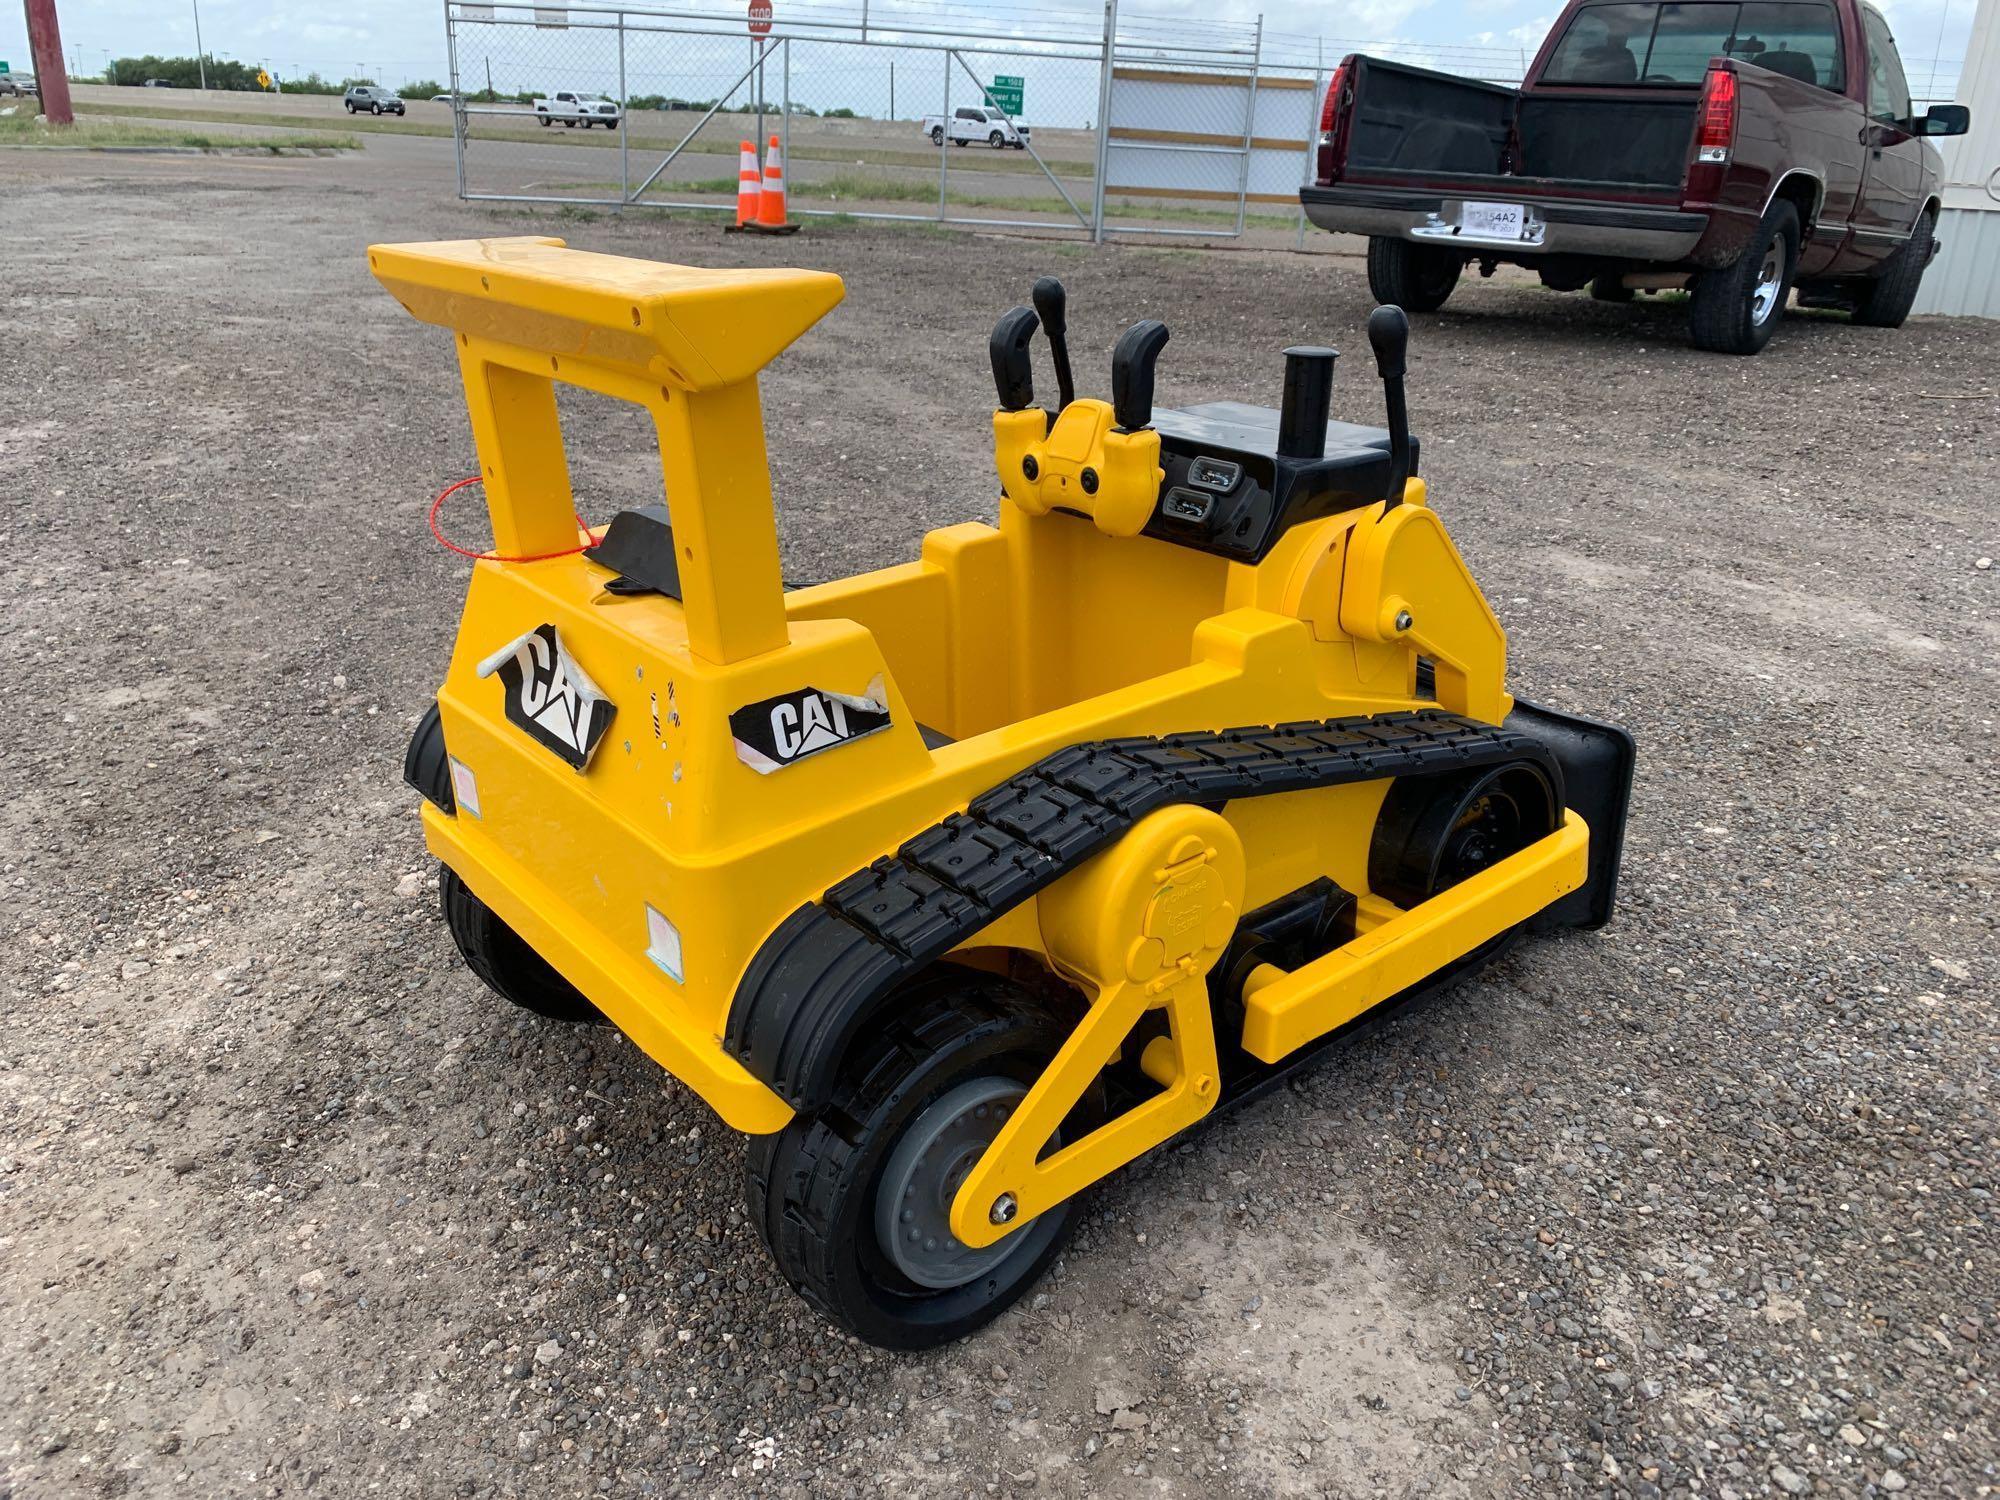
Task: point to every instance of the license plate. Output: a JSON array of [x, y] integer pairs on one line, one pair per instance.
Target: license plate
[[1492, 221]]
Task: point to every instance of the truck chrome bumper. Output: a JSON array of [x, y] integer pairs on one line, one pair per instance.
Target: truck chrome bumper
[[1550, 227]]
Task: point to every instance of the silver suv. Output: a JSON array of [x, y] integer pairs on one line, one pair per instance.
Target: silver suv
[[375, 101]]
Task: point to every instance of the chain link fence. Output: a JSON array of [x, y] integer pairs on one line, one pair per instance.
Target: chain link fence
[[1176, 128]]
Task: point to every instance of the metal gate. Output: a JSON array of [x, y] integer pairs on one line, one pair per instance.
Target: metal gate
[[1110, 127]]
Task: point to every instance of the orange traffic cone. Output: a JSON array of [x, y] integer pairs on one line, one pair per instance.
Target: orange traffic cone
[[749, 184], [771, 204]]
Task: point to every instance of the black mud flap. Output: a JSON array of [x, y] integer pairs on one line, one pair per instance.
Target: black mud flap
[[1596, 761], [424, 764]]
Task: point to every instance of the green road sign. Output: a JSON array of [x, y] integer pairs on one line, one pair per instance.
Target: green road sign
[[1004, 93], [3, 64]]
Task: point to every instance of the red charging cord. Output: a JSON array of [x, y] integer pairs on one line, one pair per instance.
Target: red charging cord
[[450, 546]]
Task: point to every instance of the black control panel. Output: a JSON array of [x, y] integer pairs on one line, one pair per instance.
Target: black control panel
[[1229, 491], [1237, 476]]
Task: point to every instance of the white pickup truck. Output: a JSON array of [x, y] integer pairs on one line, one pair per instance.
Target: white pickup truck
[[972, 125], [579, 109]]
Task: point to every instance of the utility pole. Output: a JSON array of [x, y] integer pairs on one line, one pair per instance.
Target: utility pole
[[200, 59], [45, 51]]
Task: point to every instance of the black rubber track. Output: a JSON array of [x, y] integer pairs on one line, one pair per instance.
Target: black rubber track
[[812, 985]]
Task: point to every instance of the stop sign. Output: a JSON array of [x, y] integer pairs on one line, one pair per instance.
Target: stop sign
[[760, 17]]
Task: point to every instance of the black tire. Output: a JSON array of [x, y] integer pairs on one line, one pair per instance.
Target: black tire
[[569, 124], [1886, 301], [811, 1188], [504, 962], [1723, 314], [1610, 287], [374, 109], [542, 120], [995, 139], [937, 135], [1416, 278]]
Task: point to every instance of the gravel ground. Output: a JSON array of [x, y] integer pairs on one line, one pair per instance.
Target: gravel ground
[[1702, 1203]]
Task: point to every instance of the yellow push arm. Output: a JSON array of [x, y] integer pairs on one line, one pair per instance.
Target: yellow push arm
[[684, 343]]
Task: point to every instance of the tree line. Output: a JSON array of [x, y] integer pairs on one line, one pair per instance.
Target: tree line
[[227, 73]]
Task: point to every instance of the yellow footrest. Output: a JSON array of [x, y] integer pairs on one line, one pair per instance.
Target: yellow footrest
[[1284, 1011]]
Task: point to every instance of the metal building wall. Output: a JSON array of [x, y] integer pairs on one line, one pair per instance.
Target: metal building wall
[[1965, 278]]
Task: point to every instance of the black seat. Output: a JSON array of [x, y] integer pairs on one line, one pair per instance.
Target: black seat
[[1797, 65]]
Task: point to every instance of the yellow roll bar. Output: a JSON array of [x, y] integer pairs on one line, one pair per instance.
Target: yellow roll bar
[[683, 342]]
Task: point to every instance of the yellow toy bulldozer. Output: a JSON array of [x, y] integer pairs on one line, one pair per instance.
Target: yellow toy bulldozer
[[960, 884]]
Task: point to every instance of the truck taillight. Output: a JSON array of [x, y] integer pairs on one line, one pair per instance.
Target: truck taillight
[[1331, 127], [1716, 131]]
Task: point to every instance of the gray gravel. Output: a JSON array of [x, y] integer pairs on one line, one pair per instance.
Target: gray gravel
[[1702, 1203]]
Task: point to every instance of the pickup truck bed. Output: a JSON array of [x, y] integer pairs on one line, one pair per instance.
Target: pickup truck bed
[[1739, 176]]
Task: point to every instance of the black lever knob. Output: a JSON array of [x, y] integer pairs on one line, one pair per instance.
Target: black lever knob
[[1013, 375], [1132, 365], [1050, 302], [1389, 334]]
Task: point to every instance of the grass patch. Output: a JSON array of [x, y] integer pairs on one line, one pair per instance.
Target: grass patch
[[23, 130], [843, 188], [343, 125], [717, 140]]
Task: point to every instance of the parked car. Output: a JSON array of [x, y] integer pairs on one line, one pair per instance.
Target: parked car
[[376, 101], [18, 83], [1737, 148], [579, 109], [971, 124]]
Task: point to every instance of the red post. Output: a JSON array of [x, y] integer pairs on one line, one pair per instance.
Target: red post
[[45, 51]]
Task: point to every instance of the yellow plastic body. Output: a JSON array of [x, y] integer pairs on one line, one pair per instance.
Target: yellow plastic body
[[1060, 625]]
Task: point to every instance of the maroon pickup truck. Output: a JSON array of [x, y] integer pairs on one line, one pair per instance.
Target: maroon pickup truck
[[1736, 148]]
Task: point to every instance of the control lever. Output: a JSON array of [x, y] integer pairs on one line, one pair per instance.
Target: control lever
[[1013, 375], [1050, 300], [1132, 363], [1389, 335]]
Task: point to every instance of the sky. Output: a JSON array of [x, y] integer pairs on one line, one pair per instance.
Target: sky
[[396, 41]]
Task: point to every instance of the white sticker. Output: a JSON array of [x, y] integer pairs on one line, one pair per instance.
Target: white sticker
[[665, 945], [464, 786]]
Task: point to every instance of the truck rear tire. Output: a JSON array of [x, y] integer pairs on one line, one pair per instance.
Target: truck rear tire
[[504, 961], [1735, 308], [1416, 278], [1886, 301], [1610, 287], [937, 135]]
